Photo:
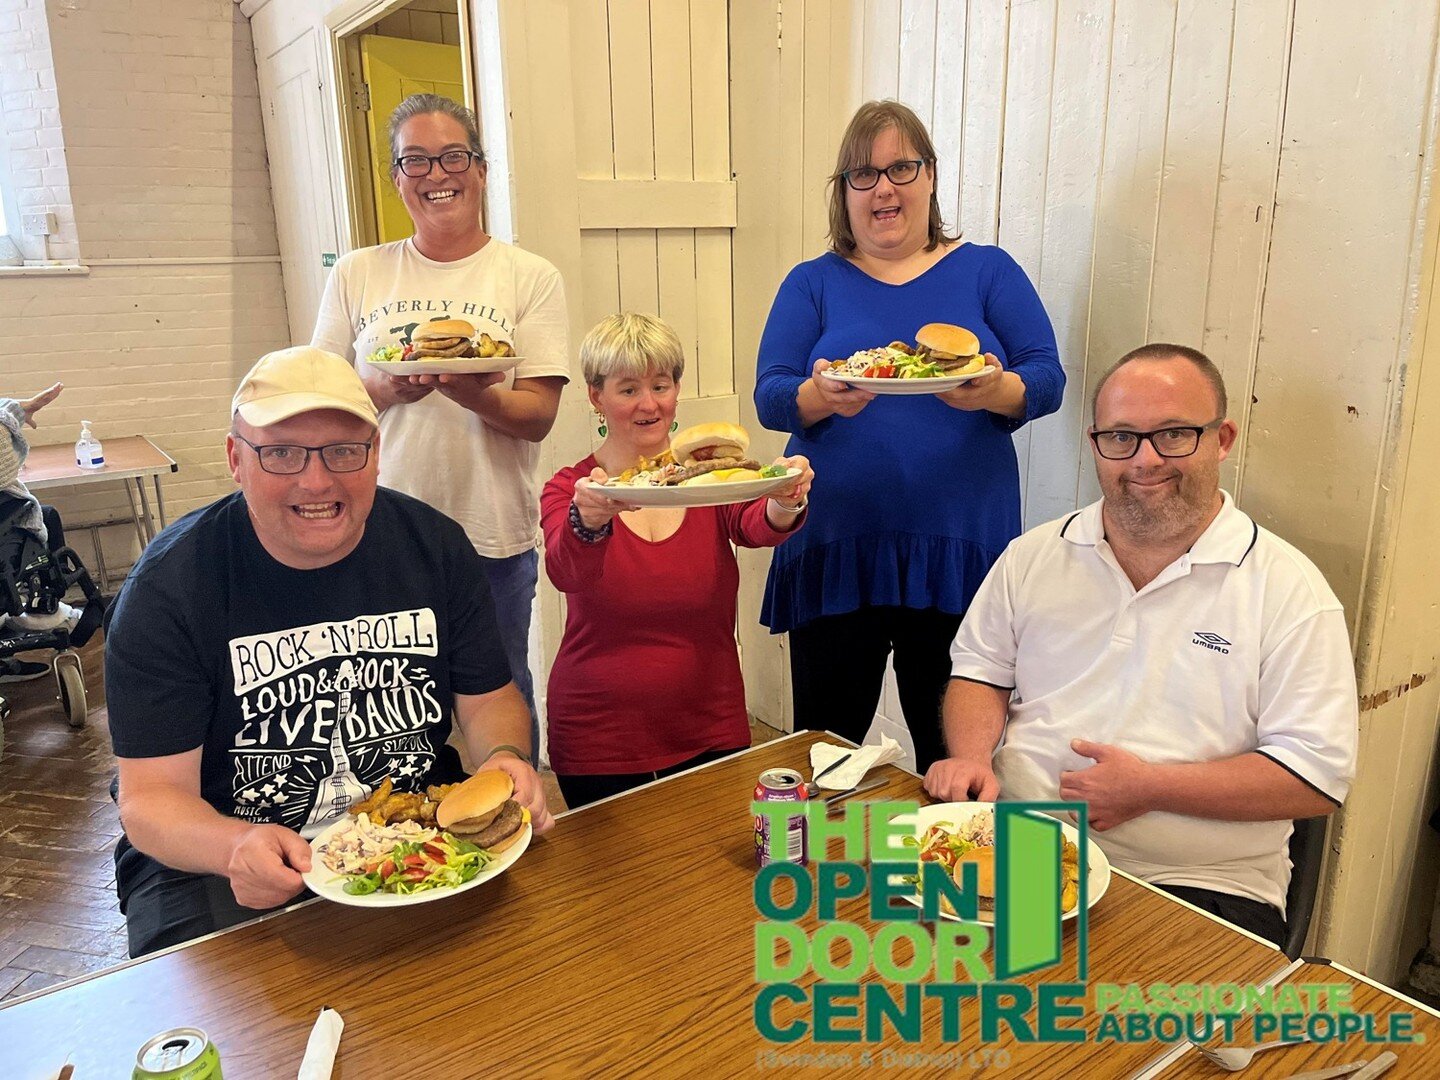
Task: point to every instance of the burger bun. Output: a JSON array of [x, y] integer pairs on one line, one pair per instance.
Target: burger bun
[[707, 441], [472, 805], [443, 328], [945, 341], [984, 860]]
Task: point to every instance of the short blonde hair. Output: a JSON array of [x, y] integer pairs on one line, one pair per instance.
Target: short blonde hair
[[864, 128], [631, 346]]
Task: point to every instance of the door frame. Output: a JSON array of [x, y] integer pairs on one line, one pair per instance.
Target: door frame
[[341, 26]]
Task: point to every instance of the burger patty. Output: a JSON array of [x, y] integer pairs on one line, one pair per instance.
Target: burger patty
[[944, 361], [508, 820], [700, 468], [443, 347]]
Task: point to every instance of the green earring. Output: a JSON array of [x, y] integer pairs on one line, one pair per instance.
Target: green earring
[[602, 429], [674, 426]]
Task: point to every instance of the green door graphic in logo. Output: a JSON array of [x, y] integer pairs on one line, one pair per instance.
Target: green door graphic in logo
[[1029, 880]]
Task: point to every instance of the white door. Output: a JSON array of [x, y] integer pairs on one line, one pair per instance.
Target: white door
[[296, 139], [650, 86]]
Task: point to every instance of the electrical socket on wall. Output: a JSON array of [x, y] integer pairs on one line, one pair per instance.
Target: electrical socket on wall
[[42, 224]]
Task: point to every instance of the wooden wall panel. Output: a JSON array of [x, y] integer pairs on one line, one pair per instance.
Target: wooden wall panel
[[1244, 207], [1058, 450], [978, 197], [714, 355], [947, 113], [1025, 138]]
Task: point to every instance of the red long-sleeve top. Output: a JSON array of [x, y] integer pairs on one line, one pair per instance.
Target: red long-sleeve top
[[648, 673]]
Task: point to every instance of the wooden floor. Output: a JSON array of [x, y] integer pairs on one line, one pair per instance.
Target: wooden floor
[[58, 914]]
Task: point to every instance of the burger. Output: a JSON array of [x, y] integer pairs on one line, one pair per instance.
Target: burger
[[711, 453], [953, 349], [442, 339], [984, 860], [483, 811]]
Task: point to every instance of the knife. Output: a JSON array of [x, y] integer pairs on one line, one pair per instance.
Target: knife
[[869, 785], [1379, 1065], [1332, 1072]]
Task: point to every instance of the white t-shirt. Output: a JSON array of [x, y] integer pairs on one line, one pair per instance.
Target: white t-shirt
[[434, 449], [1237, 646]]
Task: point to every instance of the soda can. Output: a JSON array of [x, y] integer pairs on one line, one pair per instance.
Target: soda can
[[178, 1054], [782, 785]]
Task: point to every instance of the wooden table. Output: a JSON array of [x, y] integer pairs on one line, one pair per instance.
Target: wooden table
[[621, 944], [1367, 996], [130, 460]]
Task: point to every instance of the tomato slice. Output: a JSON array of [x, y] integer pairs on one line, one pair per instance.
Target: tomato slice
[[387, 867], [416, 873]]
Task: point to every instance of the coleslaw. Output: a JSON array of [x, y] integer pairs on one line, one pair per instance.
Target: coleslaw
[[403, 858], [886, 362]]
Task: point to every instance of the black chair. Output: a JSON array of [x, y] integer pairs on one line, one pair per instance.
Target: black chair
[[33, 580], [1307, 852]]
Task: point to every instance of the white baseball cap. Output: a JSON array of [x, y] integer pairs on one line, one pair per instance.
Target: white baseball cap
[[302, 379]]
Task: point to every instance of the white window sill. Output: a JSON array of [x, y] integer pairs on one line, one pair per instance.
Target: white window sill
[[46, 270]]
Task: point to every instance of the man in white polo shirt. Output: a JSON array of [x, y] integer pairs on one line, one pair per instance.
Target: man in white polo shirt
[[1161, 657]]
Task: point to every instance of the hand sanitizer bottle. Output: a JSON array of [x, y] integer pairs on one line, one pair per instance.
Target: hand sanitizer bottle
[[88, 452]]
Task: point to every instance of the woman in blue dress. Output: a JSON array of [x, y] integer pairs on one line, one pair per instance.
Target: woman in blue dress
[[915, 496]]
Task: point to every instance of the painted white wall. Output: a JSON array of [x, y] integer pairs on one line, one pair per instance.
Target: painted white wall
[[1214, 173], [142, 128], [1203, 170]]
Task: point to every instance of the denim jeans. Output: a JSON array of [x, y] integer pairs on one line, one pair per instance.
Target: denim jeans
[[512, 587]]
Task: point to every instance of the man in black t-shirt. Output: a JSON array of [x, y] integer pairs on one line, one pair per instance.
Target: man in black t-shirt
[[275, 655]]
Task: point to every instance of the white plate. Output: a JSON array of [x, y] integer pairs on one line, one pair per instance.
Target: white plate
[[459, 365], [323, 881], [721, 494], [937, 385], [960, 813]]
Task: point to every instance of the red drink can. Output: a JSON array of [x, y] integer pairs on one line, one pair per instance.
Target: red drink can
[[782, 785]]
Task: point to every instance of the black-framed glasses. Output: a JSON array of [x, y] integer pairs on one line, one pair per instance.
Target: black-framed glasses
[[285, 459], [1171, 442], [418, 165], [867, 176]]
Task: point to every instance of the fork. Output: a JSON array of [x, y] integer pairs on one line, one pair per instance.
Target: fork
[[1235, 1058]]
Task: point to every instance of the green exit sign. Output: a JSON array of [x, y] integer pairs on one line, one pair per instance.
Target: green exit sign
[[327, 258]]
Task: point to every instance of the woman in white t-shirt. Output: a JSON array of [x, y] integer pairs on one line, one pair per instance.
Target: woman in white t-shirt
[[466, 444]]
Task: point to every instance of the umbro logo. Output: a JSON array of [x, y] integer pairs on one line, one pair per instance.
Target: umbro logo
[[1213, 642]]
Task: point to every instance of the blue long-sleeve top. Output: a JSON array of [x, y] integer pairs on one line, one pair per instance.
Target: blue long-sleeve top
[[913, 500]]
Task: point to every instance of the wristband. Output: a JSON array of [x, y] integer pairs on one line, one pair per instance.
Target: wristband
[[584, 533], [791, 509], [521, 754]]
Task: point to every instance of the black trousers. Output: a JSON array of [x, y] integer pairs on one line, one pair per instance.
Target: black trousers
[[1260, 919], [837, 664], [580, 790], [164, 907]]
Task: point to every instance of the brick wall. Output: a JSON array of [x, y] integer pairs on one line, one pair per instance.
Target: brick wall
[[30, 108], [158, 131]]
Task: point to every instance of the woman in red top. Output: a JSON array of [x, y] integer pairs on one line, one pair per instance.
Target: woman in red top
[[647, 680]]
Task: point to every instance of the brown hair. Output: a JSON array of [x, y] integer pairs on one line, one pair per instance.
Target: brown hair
[[864, 128], [1161, 350], [424, 104]]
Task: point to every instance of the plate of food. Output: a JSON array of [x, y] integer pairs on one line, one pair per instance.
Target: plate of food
[[957, 833], [396, 849], [706, 465], [943, 357], [445, 347]]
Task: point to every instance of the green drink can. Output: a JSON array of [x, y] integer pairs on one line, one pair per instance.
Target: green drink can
[[178, 1054]]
